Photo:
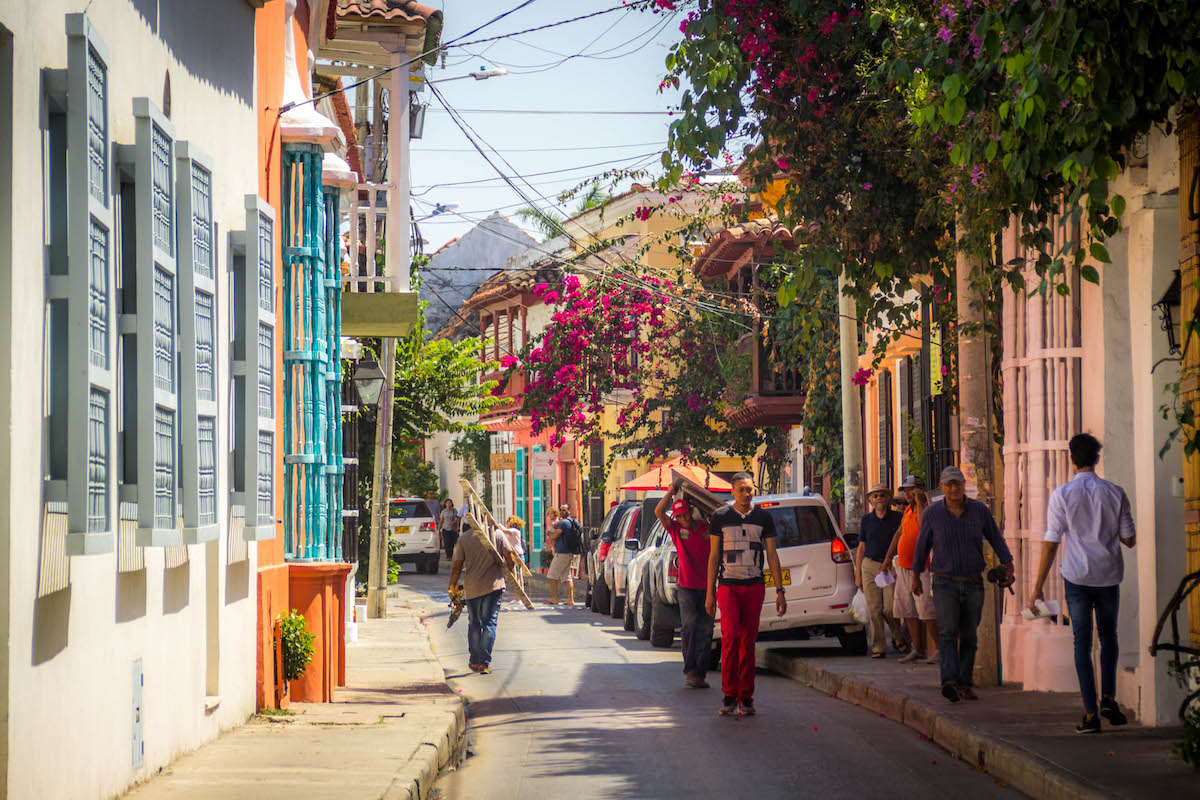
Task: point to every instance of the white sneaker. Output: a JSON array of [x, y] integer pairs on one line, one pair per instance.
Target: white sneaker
[[912, 656]]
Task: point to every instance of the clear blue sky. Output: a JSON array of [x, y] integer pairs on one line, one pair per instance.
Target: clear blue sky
[[618, 80]]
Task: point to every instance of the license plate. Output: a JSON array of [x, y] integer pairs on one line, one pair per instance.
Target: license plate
[[406, 528], [769, 579]]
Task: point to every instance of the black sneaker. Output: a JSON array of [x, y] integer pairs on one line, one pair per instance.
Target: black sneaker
[[729, 707], [1090, 724], [950, 692], [1112, 712], [746, 708]]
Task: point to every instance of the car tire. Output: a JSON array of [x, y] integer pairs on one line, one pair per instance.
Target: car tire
[[854, 643], [432, 565], [599, 598], [616, 605], [641, 616], [627, 620], [660, 635]]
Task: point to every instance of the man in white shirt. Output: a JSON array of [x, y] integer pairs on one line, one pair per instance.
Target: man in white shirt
[[1090, 518]]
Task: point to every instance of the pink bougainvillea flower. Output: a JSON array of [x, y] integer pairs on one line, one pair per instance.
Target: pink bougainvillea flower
[[782, 163], [862, 377], [867, 187], [945, 35], [508, 362], [540, 289], [945, 370]]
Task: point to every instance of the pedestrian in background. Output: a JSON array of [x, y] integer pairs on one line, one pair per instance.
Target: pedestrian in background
[[513, 530], [483, 586], [690, 535], [951, 542], [916, 611], [877, 531], [1090, 518], [567, 539], [450, 524], [739, 536]]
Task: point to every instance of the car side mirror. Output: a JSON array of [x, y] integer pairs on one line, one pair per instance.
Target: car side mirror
[[631, 545]]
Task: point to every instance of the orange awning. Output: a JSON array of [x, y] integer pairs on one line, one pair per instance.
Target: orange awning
[[659, 477]]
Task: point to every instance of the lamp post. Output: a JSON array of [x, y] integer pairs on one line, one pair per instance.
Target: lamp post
[[370, 382]]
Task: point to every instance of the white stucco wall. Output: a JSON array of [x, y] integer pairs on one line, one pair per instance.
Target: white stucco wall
[[76, 626]]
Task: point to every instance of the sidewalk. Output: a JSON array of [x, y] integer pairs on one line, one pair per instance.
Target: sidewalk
[[1026, 739], [393, 728]]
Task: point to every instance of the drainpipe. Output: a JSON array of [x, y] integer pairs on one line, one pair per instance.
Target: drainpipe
[[852, 475], [975, 446]]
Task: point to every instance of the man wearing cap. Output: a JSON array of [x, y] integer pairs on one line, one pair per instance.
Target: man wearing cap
[[916, 610], [951, 539], [877, 531], [690, 535]]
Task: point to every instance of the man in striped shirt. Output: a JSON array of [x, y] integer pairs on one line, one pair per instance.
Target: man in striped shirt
[[953, 530]]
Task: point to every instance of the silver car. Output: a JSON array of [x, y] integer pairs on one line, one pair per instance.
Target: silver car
[[415, 534]]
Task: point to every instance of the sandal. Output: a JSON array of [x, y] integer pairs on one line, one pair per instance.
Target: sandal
[[878, 655]]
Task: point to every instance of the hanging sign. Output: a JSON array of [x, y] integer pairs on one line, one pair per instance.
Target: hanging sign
[[935, 360], [545, 466], [504, 461]]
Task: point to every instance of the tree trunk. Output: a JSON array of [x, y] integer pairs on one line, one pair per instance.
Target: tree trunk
[[975, 448], [851, 414]]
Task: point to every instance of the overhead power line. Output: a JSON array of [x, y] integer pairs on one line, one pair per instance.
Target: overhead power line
[[561, 111], [540, 149]]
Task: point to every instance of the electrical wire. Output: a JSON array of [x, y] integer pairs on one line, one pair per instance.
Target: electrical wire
[[457, 42], [640, 157], [540, 149], [584, 112]]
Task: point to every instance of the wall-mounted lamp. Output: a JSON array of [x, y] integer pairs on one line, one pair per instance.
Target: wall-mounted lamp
[[368, 381], [1168, 312]]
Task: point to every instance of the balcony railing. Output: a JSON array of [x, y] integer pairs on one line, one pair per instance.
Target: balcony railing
[[376, 300]]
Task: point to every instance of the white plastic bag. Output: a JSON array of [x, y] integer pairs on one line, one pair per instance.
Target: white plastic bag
[[884, 579], [858, 608]]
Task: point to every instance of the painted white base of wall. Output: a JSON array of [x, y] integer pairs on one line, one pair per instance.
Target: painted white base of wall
[[1039, 655]]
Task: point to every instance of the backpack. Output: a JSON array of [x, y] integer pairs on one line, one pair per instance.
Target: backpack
[[572, 536]]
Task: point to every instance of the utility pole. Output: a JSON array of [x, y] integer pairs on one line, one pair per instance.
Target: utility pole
[[975, 445], [397, 267], [852, 474]]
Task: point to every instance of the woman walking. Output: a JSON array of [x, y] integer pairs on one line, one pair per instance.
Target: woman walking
[[449, 524]]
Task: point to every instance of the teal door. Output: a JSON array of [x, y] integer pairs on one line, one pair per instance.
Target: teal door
[[537, 511], [521, 483]]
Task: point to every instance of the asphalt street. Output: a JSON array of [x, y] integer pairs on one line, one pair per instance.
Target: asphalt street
[[577, 707]]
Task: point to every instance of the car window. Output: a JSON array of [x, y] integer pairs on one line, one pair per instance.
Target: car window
[[629, 524], [612, 523], [799, 525], [408, 509]]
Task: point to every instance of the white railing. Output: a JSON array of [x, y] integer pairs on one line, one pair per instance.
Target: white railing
[[368, 269]]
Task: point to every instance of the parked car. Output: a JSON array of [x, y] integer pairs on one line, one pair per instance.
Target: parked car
[[617, 562], [818, 574], [598, 550], [416, 534], [639, 587]]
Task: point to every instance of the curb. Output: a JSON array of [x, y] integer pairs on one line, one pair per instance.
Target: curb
[[542, 583], [440, 750], [1019, 768]]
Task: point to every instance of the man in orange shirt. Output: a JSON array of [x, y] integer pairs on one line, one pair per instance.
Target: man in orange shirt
[[917, 611]]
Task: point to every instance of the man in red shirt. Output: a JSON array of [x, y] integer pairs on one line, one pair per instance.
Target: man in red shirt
[[690, 534]]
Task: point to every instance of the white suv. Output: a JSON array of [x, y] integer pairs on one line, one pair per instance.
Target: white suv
[[818, 573], [415, 533]]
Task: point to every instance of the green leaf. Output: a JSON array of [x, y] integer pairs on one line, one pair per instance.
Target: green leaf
[[876, 20], [1089, 274], [990, 152], [1175, 79], [958, 155], [952, 86], [1100, 253], [1106, 168], [1118, 205], [1004, 110], [954, 110]]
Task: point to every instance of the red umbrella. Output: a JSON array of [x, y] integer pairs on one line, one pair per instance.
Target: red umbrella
[[659, 477]]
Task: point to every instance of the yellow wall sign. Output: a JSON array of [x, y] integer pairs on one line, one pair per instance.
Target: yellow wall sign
[[504, 461]]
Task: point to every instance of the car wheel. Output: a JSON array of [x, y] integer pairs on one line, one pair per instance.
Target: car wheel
[[434, 565], [616, 605], [641, 616], [597, 595], [854, 643], [627, 619], [660, 635]]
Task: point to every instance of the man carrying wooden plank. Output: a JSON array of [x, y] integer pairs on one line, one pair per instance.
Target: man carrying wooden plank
[[483, 587]]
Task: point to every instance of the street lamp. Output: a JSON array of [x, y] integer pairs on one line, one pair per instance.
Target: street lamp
[[368, 381], [481, 74], [1168, 311], [416, 112]]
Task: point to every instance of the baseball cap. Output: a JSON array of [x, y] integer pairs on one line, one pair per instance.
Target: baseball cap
[[951, 474]]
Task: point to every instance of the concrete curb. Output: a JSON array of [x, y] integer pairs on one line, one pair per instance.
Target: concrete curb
[[441, 749], [1019, 767], [542, 584]]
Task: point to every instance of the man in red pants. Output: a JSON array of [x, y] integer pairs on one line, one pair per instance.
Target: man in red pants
[[739, 536]]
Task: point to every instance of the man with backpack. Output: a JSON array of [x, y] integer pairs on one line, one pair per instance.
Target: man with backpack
[[567, 539]]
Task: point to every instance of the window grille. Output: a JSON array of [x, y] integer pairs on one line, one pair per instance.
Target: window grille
[[152, 429], [206, 379], [254, 342], [197, 343], [83, 282], [206, 441]]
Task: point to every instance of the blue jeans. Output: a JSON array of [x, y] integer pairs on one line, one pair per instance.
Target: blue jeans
[[959, 607], [482, 614], [1082, 601], [695, 632]]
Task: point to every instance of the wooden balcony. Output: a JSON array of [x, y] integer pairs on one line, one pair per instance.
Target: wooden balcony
[[772, 396]]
